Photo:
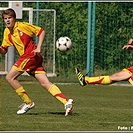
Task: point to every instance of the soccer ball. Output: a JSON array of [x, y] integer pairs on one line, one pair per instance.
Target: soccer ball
[[64, 44]]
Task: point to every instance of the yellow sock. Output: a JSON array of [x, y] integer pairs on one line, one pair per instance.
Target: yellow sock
[[55, 91], [23, 95], [98, 80], [131, 81]]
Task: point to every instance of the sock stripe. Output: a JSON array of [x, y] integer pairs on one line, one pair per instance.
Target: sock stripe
[[80, 75]]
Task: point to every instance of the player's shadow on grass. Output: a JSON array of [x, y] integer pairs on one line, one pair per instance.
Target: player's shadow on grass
[[40, 113], [56, 113], [47, 113]]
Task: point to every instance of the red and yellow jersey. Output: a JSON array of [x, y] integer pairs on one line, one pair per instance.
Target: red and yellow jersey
[[21, 38]]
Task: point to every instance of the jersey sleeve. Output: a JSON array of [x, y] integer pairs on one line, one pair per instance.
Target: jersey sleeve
[[32, 29], [6, 43]]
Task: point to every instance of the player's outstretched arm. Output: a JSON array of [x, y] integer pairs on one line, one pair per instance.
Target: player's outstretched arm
[[2, 50], [129, 45]]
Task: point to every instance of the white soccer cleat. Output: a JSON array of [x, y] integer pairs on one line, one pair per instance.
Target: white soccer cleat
[[68, 107], [25, 107]]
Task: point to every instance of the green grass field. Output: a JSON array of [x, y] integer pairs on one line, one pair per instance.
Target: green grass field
[[96, 108]]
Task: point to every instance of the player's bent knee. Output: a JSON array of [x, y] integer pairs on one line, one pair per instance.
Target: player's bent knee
[[8, 78]]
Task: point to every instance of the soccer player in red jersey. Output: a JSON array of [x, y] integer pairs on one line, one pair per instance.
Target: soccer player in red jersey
[[125, 75], [20, 35]]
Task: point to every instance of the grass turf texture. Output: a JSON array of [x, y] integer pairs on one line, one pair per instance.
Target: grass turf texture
[[96, 108]]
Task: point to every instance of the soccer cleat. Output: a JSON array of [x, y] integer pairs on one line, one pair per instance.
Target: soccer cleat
[[25, 107], [68, 107], [81, 77]]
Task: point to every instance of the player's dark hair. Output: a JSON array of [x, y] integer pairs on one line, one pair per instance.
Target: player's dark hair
[[9, 12]]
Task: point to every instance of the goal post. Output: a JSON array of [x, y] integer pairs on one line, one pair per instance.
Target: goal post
[[17, 6]]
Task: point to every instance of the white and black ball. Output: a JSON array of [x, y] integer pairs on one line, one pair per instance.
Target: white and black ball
[[64, 44]]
